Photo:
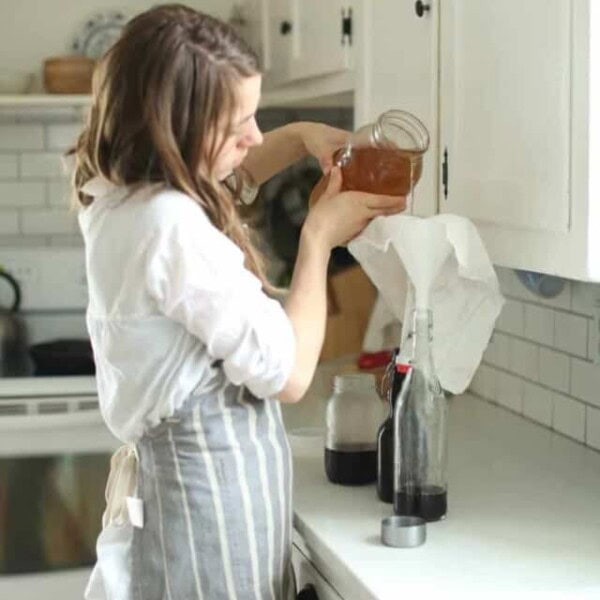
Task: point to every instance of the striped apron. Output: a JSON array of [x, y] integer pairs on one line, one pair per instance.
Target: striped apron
[[215, 483]]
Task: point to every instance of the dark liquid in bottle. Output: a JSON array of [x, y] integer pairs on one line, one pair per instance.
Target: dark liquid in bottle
[[351, 468], [385, 462], [385, 446], [428, 502], [386, 171]]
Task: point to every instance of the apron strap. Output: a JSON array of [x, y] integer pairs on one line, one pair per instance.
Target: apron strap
[[122, 504]]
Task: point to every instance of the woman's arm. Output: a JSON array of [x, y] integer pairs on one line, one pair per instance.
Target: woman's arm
[[286, 145], [335, 219]]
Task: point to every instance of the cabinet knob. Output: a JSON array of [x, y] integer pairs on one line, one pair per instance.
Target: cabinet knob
[[421, 8], [285, 27]]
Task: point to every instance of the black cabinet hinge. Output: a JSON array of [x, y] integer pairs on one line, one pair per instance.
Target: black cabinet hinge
[[347, 26], [445, 173]]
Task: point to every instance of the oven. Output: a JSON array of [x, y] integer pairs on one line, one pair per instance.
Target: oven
[[54, 459], [54, 446]]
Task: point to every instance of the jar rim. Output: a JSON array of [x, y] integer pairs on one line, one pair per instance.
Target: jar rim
[[405, 122]]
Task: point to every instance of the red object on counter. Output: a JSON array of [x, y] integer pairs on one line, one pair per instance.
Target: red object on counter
[[402, 368], [372, 360]]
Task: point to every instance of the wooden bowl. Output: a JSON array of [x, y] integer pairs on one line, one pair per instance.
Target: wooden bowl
[[68, 74]]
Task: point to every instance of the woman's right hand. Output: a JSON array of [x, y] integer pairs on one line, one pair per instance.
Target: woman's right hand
[[337, 217]]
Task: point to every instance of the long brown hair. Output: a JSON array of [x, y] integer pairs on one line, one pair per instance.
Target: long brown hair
[[158, 96]]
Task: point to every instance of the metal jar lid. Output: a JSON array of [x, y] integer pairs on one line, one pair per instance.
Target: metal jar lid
[[403, 531]]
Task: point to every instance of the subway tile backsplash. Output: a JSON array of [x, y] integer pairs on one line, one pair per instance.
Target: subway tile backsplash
[[541, 359], [34, 190]]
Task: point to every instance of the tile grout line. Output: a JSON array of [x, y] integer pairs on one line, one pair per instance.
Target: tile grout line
[[540, 384], [515, 336], [560, 309]]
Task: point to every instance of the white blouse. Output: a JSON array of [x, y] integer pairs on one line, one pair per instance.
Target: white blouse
[[168, 297]]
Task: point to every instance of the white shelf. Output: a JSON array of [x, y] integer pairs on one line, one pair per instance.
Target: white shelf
[[332, 91], [44, 100]]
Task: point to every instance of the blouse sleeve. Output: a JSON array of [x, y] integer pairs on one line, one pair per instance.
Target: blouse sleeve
[[197, 277]]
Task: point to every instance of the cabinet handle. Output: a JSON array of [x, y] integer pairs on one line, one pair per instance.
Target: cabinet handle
[[421, 8], [285, 27], [308, 592]]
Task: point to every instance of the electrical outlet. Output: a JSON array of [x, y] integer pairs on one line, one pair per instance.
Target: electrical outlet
[[25, 274]]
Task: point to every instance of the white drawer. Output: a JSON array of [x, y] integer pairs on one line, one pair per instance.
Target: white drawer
[[307, 575]]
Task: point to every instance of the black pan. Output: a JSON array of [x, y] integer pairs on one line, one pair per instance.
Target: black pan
[[63, 357]]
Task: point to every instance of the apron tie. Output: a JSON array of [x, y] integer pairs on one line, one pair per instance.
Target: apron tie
[[122, 505]]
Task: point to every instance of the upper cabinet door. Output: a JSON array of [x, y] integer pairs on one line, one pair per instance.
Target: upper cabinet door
[[397, 67], [307, 39], [277, 15], [505, 101], [519, 141], [322, 37]]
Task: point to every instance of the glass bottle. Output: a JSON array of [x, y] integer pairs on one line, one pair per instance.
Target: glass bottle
[[353, 413], [420, 433], [386, 156]]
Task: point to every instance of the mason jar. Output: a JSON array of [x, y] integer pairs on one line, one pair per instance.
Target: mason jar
[[353, 414]]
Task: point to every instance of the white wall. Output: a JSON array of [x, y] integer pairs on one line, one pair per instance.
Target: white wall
[[32, 30]]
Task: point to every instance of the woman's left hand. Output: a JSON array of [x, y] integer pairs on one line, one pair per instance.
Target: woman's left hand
[[322, 141]]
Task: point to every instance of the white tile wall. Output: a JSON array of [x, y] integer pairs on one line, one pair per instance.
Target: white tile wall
[[554, 369], [570, 334], [569, 417], [48, 221], [9, 222], [585, 381], [537, 403], [34, 196], [41, 164], [509, 391], [539, 324], [541, 359], [525, 359], [512, 317], [18, 194], [21, 136], [593, 427], [9, 166]]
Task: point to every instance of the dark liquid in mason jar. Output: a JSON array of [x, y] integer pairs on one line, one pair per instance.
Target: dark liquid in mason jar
[[428, 502], [351, 468], [386, 171]]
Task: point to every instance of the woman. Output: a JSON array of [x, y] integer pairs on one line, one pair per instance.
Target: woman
[[192, 355]]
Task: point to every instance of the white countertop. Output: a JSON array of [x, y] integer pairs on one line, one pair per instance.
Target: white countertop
[[25, 387], [523, 517]]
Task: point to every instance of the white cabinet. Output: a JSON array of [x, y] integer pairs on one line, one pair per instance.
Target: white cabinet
[[504, 111], [310, 583], [306, 39], [513, 108], [516, 120], [396, 67]]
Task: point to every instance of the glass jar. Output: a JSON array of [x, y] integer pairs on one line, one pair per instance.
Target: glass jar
[[385, 157], [353, 415]]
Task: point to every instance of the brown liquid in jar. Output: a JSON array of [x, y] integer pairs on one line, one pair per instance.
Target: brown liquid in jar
[[385, 171]]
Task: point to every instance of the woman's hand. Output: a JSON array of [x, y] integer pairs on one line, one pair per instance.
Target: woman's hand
[[340, 216], [322, 141]]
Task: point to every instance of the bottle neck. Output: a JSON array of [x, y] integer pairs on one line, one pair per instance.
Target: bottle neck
[[422, 337]]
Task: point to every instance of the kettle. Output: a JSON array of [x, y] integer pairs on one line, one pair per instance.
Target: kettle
[[14, 353]]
